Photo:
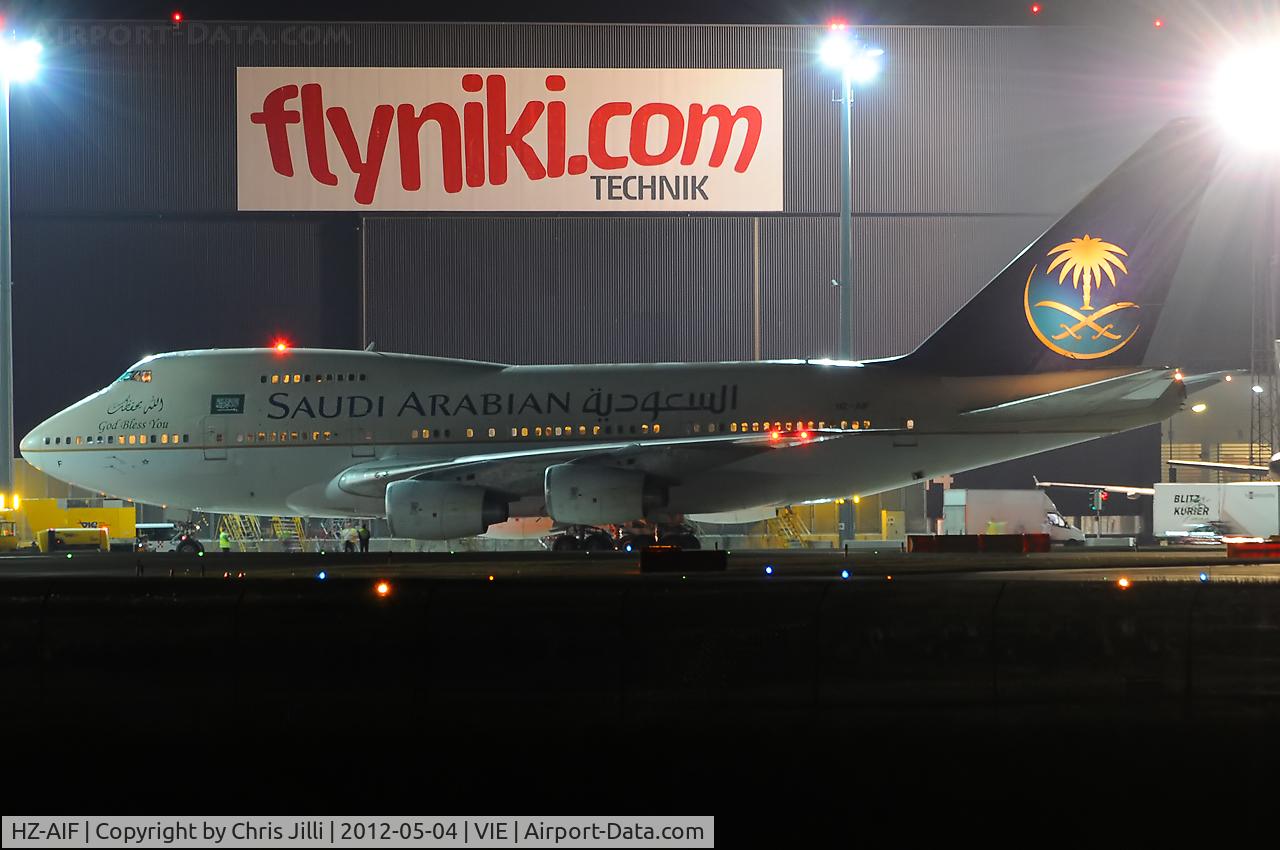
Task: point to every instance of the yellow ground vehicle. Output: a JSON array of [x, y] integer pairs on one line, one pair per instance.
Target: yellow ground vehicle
[[67, 539], [8, 536]]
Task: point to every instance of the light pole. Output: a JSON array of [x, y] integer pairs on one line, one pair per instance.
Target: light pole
[[1242, 99], [19, 62], [857, 63]]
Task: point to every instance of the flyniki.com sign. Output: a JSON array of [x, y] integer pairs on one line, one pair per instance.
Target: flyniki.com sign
[[509, 139]]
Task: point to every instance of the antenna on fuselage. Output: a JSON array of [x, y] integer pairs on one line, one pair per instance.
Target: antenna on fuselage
[[369, 347]]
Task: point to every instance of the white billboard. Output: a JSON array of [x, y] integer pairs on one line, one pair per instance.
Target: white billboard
[[509, 139]]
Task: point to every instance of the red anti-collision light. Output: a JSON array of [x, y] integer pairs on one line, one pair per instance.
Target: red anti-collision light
[[281, 346], [176, 17], [1036, 8]]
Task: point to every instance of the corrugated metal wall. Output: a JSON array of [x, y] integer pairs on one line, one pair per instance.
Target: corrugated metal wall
[[974, 140]]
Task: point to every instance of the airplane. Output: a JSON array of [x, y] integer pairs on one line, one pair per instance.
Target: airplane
[[1271, 470], [1049, 353], [1125, 490]]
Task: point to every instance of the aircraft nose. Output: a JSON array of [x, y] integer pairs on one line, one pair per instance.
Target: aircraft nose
[[30, 445]]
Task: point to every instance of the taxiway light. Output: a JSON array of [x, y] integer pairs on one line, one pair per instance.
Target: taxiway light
[[68, 556], [1204, 576], [768, 569], [888, 578], [1227, 378], [490, 578], [382, 588], [844, 574], [1123, 584], [322, 575]]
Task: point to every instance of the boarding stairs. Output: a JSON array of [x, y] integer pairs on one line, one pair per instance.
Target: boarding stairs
[[788, 525], [244, 531], [290, 531]]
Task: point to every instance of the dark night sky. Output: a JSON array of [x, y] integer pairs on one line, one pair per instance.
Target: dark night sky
[[972, 12]]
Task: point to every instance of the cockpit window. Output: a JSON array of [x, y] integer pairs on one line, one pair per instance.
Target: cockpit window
[[143, 375]]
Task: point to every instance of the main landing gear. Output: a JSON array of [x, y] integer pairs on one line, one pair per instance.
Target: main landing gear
[[631, 538]]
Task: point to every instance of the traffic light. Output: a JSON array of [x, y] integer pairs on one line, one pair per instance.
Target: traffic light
[[1095, 499], [1104, 495]]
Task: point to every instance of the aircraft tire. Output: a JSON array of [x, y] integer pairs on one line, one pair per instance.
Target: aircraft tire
[[565, 543], [598, 542]]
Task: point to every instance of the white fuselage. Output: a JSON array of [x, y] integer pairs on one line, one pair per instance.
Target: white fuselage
[[270, 433]]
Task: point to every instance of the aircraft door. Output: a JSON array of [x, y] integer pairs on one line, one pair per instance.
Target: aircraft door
[[363, 445], [215, 438]]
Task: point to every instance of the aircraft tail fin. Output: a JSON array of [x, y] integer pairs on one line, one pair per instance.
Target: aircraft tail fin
[[1089, 291]]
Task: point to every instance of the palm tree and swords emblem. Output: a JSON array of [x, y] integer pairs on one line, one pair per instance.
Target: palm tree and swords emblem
[[1088, 331]]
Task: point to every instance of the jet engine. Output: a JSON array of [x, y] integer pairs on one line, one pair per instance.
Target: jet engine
[[434, 510], [581, 494]]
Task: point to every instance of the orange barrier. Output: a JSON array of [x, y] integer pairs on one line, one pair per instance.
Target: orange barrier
[[1260, 551]]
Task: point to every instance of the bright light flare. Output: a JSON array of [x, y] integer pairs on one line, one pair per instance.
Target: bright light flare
[[1257, 388], [382, 588], [280, 345], [1177, 375], [1199, 407], [840, 51], [1123, 584], [20, 60], [1244, 96]]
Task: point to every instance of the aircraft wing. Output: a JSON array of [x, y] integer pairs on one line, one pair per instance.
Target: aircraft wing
[[1119, 489], [522, 471], [1223, 467]]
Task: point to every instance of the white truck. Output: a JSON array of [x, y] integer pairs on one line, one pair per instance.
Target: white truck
[[967, 511], [1207, 513]]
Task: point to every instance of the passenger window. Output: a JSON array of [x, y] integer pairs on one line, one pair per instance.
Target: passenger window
[[275, 379], [186, 438], [264, 379]]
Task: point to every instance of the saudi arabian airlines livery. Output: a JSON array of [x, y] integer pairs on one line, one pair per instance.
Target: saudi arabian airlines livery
[[1046, 355]]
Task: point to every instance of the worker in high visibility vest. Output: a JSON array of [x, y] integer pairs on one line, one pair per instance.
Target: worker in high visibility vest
[[224, 542]]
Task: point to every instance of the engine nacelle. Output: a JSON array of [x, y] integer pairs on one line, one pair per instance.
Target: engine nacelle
[[434, 510], [581, 494]]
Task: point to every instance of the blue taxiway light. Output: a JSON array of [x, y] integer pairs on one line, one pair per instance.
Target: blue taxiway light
[[322, 575], [1204, 576], [768, 569], [844, 574]]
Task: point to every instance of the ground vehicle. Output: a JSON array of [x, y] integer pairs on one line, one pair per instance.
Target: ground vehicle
[[1240, 509], [8, 536], [1200, 533], [967, 511], [166, 537], [67, 539]]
